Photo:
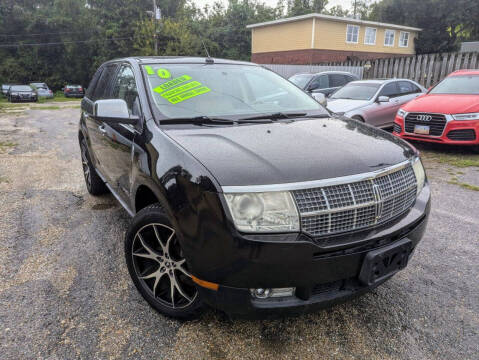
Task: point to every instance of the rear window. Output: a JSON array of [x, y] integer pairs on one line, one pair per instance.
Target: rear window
[[20, 88], [73, 86], [463, 84]]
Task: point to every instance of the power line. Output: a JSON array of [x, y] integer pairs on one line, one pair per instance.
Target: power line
[[63, 42], [40, 34]]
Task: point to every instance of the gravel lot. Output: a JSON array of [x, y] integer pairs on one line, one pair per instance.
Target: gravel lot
[[65, 292]]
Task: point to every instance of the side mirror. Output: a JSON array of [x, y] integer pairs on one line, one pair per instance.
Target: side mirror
[[382, 99], [320, 98], [113, 111]]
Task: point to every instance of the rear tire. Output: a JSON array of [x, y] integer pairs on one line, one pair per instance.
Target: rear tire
[[157, 266], [94, 183], [358, 118]]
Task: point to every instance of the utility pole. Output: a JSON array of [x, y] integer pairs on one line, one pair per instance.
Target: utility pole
[[155, 10]]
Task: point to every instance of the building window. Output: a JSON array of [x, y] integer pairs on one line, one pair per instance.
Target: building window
[[403, 39], [352, 34], [370, 36], [389, 37]]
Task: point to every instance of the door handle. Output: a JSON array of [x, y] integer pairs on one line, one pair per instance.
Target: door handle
[[102, 129]]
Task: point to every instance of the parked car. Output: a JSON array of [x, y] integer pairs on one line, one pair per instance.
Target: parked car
[[448, 113], [5, 88], [21, 93], [325, 82], [43, 91], [73, 91], [227, 170], [374, 101]]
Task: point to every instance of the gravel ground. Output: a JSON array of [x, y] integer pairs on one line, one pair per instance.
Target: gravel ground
[[65, 292]]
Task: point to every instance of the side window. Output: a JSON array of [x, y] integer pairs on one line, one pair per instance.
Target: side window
[[101, 88], [125, 88], [93, 82], [391, 90], [336, 80], [319, 82], [405, 87]]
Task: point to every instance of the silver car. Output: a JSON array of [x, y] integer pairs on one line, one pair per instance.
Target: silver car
[[375, 102], [42, 89]]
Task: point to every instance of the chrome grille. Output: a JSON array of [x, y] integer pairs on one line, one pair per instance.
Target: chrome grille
[[436, 124], [358, 205]]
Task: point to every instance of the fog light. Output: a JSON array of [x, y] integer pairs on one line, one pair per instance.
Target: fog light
[[261, 293]]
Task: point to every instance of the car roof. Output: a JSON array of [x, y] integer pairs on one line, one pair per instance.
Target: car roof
[[464, 72], [328, 72], [180, 60], [379, 81]]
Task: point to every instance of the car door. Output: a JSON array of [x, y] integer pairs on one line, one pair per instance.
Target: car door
[[408, 91], [319, 84], [118, 138], [381, 114], [96, 136], [336, 81]]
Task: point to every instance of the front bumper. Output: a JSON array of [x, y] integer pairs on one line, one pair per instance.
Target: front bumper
[[23, 98], [321, 276], [445, 138]]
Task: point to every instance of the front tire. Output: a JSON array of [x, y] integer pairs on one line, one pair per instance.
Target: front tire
[[94, 183], [157, 266]]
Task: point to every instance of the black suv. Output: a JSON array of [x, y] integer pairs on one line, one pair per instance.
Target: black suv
[[246, 194]]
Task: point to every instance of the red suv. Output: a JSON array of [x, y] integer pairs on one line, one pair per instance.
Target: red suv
[[448, 113]]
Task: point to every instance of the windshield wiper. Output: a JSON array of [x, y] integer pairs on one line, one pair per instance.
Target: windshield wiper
[[199, 120], [275, 116], [280, 115]]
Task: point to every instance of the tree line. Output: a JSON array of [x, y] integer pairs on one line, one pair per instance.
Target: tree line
[[64, 41]]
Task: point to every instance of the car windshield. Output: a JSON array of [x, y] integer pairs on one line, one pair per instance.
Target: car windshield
[[301, 80], [464, 84], [357, 91], [20, 88], [5, 86], [40, 85], [191, 90]]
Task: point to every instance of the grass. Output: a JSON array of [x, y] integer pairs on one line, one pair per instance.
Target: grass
[[52, 107], [455, 181], [454, 159], [4, 145]]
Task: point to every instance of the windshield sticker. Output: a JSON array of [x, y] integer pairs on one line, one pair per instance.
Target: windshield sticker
[[169, 84], [188, 94], [149, 70], [163, 73], [179, 89]]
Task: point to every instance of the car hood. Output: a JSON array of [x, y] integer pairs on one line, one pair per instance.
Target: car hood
[[296, 151], [444, 104], [344, 105]]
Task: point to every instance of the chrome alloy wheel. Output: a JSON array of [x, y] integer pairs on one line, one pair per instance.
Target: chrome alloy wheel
[[159, 264], [86, 166]]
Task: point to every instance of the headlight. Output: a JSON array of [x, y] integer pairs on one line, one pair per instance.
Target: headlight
[[263, 212], [14, 94], [401, 113], [419, 172], [471, 116]]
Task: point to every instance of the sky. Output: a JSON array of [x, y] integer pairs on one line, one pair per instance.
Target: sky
[[344, 3]]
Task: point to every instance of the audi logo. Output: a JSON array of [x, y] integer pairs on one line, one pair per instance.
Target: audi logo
[[424, 117]]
